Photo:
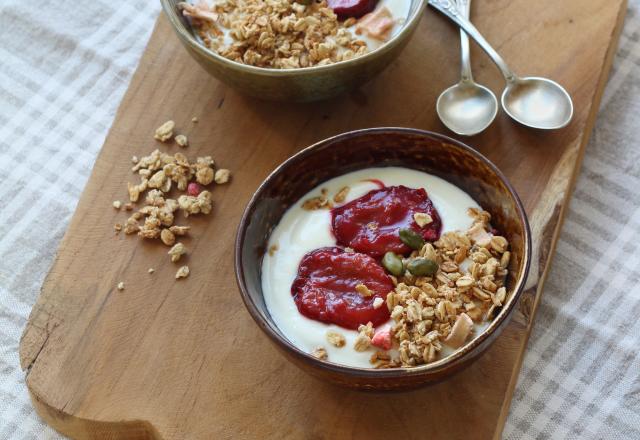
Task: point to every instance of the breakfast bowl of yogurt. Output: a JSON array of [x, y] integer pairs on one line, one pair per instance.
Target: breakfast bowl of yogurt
[[384, 258], [294, 50]]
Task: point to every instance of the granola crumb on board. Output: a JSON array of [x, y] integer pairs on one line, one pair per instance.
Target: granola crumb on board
[[183, 272], [165, 131], [152, 209], [181, 140]]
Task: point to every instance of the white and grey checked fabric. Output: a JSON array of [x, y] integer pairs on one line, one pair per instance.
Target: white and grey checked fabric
[[65, 66]]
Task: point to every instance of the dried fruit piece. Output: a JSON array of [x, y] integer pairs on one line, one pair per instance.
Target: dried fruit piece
[[351, 8], [199, 11], [382, 339], [194, 189], [460, 331], [479, 235], [377, 24]]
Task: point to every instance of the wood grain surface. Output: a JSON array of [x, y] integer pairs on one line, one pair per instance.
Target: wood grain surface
[[182, 359]]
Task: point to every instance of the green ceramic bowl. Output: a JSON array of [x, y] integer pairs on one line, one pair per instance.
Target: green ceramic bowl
[[304, 84]]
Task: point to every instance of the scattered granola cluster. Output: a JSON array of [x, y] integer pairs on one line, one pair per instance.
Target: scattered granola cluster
[[323, 201], [280, 34], [159, 173], [429, 311]]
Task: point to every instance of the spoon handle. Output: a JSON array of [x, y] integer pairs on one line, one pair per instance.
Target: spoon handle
[[450, 10], [464, 6]]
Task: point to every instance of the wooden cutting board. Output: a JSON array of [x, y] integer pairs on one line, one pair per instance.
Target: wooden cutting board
[[182, 359]]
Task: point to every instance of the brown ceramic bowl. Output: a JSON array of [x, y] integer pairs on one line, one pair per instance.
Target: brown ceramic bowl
[[433, 153], [304, 84]]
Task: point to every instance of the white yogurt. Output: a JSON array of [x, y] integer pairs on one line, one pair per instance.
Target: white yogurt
[[301, 231]]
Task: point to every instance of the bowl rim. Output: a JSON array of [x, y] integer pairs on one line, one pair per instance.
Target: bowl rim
[[442, 364], [186, 37]]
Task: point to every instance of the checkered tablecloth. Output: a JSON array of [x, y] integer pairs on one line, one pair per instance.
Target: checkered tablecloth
[[64, 67]]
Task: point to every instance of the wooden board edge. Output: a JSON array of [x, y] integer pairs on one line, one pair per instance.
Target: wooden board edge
[[35, 335], [589, 126], [80, 428]]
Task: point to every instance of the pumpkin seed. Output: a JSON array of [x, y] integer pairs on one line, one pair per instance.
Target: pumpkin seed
[[393, 264], [422, 267], [411, 238]]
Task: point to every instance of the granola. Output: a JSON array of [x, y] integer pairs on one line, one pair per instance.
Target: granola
[[183, 272], [177, 251], [341, 195], [165, 131], [280, 34], [168, 237], [181, 140], [336, 339], [160, 173], [430, 311], [320, 202], [320, 353], [363, 340], [222, 176]]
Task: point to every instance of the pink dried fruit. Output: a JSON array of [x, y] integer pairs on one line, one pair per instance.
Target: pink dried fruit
[[382, 339], [351, 8], [193, 189]]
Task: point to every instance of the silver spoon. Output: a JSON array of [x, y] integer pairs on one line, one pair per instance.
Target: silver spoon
[[466, 108], [532, 101]]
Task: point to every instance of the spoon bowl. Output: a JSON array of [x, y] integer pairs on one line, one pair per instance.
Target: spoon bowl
[[533, 102], [467, 108], [537, 102]]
